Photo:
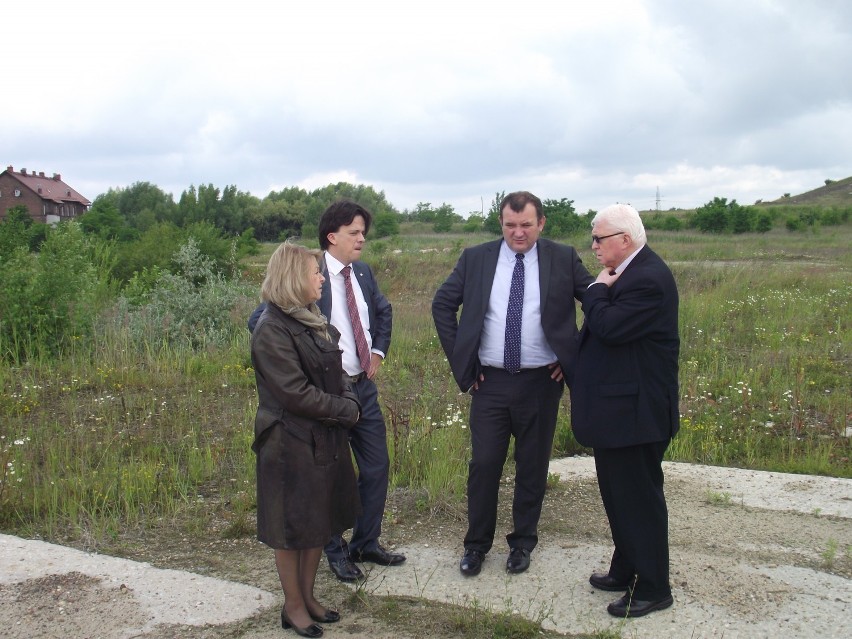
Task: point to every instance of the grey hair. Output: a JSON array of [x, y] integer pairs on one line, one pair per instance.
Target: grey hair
[[624, 218]]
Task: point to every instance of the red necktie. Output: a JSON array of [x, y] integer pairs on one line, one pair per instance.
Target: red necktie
[[355, 318]]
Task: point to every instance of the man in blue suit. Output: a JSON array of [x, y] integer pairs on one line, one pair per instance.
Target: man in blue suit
[[624, 404], [343, 229], [516, 396]]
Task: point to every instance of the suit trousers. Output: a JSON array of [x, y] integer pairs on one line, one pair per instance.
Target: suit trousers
[[631, 484], [523, 406], [368, 439]]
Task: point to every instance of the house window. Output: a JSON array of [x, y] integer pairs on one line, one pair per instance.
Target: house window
[[17, 192]]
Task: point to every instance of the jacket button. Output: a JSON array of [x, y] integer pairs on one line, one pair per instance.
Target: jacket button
[[335, 458]]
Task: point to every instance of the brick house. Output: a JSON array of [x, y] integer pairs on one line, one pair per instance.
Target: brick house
[[48, 199]]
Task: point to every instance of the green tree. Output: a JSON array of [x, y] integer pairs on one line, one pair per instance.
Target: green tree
[[155, 248], [104, 220], [374, 201], [385, 225], [444, 217], [50, 300], [277, 217], [492, 220], [142, 204], [743, 218], [15, 231], [562, 219], [473, 224], [423, 212], [714, 216], [672, 223], [764, 223]]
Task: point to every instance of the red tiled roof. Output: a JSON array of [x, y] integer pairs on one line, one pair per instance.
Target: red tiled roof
[[48, 188]]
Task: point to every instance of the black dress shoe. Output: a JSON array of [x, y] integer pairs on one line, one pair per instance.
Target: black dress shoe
[[518, 561], [312, 631], [330, 616], [345, 570], [603, 581], [471, 562], [378, 556], [627, 607]]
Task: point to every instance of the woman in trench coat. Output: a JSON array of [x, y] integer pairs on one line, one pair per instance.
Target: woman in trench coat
[[306, 487]]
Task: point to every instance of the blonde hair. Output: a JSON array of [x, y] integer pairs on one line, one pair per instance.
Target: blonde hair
[[287, 281]]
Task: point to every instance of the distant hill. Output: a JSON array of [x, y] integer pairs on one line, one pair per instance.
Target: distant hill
[[836, 193]]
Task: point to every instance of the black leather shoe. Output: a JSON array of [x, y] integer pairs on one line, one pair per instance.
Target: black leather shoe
[[518, 561], [312, 631], [627, 607], [345, 570], [378, 556], [471, 562], [602, 581], [330, 616]]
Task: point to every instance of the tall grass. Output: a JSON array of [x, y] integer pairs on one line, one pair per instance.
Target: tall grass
[[125, 430]]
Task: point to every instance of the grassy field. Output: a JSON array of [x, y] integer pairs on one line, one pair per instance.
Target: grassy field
[[115, 436]]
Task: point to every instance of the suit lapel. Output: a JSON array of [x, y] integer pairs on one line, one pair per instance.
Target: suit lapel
[[325, 297], [488, 267], [545, 259]]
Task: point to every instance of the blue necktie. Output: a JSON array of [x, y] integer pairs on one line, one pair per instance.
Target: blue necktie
[[514, 314]]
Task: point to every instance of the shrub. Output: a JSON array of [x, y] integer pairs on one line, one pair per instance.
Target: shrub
[[764, 223], [385, 225], [672, 223], [190, 307], [473, 224], [160, 243], [50, 300]]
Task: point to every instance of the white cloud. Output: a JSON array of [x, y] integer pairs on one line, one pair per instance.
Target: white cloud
[[440, 101]]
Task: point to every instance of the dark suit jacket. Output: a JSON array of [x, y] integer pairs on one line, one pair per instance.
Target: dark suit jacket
[[380, 311], [562, 277], [625, 389]]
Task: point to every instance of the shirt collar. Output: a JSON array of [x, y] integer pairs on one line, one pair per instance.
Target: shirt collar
[[333, 265], [625, 263], [509, 255]]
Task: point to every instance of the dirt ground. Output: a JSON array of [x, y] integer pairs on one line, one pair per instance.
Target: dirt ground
[[752, 554]]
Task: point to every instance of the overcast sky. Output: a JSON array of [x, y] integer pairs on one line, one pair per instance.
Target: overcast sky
[[595, 101]]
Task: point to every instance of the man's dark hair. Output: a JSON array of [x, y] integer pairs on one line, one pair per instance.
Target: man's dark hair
[[341, 213], [518, 201]]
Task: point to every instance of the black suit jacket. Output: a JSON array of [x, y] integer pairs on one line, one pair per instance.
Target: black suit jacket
[[625, 390], [562, 277], [380, 310]]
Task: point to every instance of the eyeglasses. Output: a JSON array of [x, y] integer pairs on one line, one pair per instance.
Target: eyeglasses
[[598, 238]]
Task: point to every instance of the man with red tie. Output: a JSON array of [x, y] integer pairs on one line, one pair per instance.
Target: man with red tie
[[353, 303]]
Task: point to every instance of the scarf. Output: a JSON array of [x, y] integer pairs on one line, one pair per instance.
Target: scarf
[[311, 317]]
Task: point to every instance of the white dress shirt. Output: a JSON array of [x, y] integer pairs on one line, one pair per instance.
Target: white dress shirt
[[535, 351], [340, 313]]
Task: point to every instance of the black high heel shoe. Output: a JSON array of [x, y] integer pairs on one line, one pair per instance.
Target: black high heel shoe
[[312, 631], [330, 616]]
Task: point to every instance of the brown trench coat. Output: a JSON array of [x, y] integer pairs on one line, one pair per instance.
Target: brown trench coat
[[306, 487]]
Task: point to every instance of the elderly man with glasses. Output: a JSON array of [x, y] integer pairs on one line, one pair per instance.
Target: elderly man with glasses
[[624, 404]]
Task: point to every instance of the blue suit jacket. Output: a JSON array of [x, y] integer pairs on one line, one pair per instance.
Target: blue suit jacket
[[625, 390], [379, 308], [562, 277]]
